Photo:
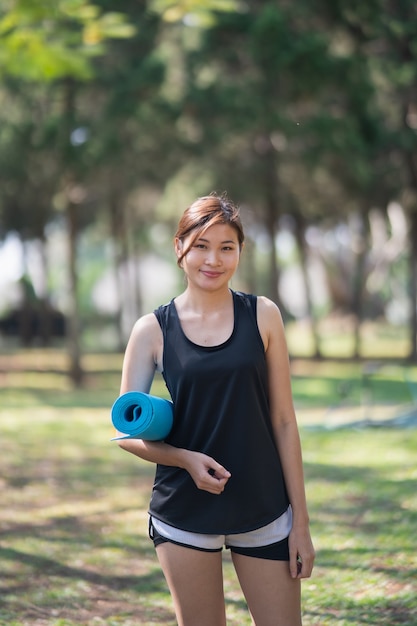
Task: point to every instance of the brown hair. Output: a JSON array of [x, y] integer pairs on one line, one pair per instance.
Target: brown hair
[[205, 212]]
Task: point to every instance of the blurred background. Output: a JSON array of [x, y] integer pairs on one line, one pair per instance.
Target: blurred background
[[114, 117]]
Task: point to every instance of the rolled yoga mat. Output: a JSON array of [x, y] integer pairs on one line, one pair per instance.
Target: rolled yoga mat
[[142, 416]]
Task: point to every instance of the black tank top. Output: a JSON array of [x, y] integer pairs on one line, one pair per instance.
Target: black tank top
[[221, 408]]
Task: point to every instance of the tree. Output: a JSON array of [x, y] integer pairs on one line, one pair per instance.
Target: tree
[[254, 75], [54, 42], [52, 39], [385, 33], [134, 144]]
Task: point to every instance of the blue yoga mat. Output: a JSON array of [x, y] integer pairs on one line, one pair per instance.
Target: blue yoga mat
[[142, 416]]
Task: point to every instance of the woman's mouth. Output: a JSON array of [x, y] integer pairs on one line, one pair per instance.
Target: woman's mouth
[[211, 274]]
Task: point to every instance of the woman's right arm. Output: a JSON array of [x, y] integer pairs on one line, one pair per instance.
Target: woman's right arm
[[142, 358]]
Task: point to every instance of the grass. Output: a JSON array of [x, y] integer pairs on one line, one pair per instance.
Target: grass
[[337, 340], [73, 523], [361, 489]]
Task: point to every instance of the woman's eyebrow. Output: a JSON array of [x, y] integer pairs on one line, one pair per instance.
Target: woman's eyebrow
[[222, 242]]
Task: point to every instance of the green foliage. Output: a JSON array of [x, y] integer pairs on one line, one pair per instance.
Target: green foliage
[[295, 108], [196, 12], [44, 41], [286, 50]]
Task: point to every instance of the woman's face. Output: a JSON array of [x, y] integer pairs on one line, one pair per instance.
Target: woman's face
[[212, 259]]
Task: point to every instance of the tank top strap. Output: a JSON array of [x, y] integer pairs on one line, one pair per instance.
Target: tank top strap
[[162, 314], [249, 300]]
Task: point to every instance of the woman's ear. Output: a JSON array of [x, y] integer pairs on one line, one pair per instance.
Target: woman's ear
[[178, 245]]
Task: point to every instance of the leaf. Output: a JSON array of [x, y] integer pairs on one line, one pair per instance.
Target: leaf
[[46, 40], [192, 12]]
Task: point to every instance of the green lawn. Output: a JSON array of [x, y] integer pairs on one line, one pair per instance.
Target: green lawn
[[73, 524]]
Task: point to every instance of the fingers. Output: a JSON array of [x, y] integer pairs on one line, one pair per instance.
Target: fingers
[[220, 473], [215, 479], [207, 474], [295, 565], [306, 569], [301, 568], [301, 556]]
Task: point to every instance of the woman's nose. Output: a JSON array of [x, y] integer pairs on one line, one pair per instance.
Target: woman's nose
[[212, 257]]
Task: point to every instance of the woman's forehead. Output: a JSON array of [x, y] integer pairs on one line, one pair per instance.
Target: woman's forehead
[[219, 232]]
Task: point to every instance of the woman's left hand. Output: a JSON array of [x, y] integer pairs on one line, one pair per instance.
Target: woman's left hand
[[301, 552]]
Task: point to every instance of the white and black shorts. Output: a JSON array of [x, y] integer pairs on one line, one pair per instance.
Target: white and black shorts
[[267, 542]]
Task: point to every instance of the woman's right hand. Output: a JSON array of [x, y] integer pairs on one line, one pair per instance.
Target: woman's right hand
[[207, 474]]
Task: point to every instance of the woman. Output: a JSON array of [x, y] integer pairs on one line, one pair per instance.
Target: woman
[[230, 472]]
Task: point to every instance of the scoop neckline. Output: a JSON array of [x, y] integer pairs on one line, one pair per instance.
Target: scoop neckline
[[199, 345]]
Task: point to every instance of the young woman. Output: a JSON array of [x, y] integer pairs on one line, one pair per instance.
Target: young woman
[[230, 472]]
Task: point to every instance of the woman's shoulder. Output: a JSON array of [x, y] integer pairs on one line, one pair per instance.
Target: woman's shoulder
[[268, 306], [146, 327], [264, 306], [270, 321]]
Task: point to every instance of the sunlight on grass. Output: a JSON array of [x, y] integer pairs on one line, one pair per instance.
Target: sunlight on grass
[[333, 384], [361, 489], [337, 339], [73, 521]]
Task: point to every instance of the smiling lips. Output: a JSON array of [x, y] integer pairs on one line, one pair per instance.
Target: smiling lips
[[211, 274]]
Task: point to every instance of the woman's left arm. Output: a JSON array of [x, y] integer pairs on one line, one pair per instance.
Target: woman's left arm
[[286, 434]]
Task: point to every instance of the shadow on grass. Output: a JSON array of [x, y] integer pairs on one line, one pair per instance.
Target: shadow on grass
[[152, 582], [72, 571], [82, 477], [364, 499], [366, 559], [84, 531], [54, 390], [143, 592], [386, 613], [57, 397], [367, 509], [334, 390]]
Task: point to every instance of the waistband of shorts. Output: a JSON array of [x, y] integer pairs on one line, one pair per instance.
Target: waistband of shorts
[[275, 531]]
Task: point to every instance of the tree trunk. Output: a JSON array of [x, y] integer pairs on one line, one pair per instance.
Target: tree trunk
[[358, 281], [132, 247], [119, 256], [45, 311], [273, 275], [74, 339], [247, 269], [411, 163], [73, 336], [26, 314], [272, 211], [413, 285], [301, 243]]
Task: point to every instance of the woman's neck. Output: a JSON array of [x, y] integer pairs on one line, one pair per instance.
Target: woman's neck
[[204, 302]]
